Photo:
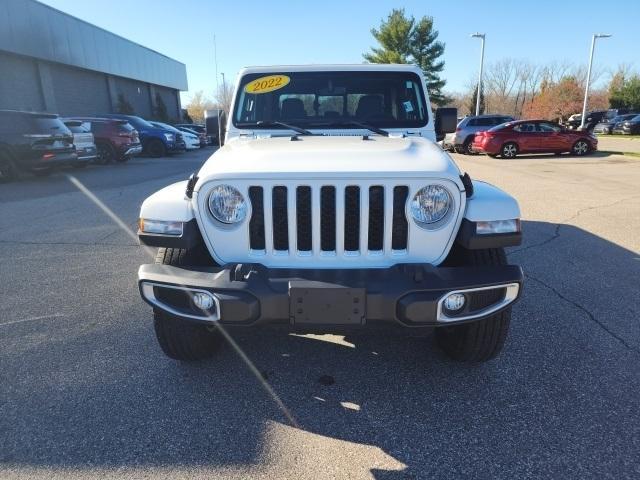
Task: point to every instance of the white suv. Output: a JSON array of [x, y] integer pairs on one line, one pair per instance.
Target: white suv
[[329, 208]]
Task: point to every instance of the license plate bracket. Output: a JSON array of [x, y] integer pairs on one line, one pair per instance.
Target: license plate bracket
[[317, 303]]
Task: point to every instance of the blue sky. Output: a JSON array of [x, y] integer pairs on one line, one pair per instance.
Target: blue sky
[[279, 32]]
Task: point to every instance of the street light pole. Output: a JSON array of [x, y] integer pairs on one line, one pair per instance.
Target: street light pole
[[481, 36], [586, 89]]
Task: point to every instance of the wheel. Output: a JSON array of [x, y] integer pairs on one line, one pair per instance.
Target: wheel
[[8, 170], [155, 148], [180, 339], [580, 148], [106, 153], [468, 146], [459, 149], [481, 340], [509, 150]]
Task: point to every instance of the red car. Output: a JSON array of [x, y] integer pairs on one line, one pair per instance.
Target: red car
[[533, 136], [116, 140]]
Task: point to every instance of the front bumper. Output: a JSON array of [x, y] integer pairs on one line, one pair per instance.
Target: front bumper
[[59, 159], [131, 150], [405, 295], [88, 153]]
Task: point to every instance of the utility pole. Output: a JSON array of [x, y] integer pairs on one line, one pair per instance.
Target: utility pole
[[586, 89], [481, 36]]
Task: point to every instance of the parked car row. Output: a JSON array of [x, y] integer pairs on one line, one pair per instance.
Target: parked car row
[[501, 135], [601, 121], [41, 142]]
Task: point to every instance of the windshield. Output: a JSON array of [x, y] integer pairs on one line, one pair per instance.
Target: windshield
[[331, 100], [138, 122]]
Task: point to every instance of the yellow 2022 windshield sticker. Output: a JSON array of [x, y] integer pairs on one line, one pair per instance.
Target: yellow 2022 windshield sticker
[[267, 84]]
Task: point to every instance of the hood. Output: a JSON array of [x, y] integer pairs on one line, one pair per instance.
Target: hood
[[329, 156]]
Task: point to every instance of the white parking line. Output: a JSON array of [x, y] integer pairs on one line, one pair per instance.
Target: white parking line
[[32, 319]]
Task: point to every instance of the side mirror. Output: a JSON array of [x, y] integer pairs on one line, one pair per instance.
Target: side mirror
[[445, 122]]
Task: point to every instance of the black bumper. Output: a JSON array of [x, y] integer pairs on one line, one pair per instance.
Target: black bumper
[[58, 159], [406, 295]]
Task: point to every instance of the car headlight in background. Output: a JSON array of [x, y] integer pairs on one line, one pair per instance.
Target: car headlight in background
[[169, 137], [227, 205], [498, 226], [160, 227], [431, 204]]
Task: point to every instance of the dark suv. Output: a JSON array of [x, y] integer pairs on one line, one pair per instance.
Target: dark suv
[[37, 142], [115, 139], [593, 118], [156, 142]]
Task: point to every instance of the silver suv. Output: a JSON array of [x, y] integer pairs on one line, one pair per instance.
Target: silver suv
[[461, 140]]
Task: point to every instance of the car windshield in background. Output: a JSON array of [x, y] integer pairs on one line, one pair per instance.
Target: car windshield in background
[[331, 100], [52, 125], [139, 122], [501, 126]]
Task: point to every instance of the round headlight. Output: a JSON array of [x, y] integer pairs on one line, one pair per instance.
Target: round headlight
[[227, 204], [430, 204]]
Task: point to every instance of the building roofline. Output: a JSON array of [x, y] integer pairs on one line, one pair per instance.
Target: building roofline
[[109, 32]]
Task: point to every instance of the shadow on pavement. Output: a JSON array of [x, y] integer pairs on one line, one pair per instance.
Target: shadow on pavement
[[561, 401]]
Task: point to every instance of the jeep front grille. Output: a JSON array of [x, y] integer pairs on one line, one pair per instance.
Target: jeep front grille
[[368, 212]]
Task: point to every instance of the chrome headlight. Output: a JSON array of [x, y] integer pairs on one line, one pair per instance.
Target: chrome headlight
[[227, 204], [431, 204]]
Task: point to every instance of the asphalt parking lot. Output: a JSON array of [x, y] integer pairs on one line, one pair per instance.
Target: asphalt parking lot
[[86, 392]]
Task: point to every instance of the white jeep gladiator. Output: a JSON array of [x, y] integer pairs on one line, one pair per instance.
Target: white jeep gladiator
[[330, 207]]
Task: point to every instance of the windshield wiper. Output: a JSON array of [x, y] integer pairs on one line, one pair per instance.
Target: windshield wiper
[[300, 130], [354, 123]]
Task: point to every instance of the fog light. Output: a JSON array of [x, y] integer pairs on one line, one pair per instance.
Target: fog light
[[202, 300], [454, 302]]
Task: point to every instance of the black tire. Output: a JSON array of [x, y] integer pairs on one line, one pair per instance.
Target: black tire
[[155, 148], [467, 146], [481, 340], [581, 147], [8, 170], [459, 149], [180, 339], [509, 150], [106, 153]]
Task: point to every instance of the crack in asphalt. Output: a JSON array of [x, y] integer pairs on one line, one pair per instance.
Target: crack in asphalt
[[556, 232], [589, 314]]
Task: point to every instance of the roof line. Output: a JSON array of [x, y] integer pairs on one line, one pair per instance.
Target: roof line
[[109, 32]]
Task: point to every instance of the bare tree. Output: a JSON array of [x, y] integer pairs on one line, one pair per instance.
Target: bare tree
[[501, 81], [197, 105], [223, 96]]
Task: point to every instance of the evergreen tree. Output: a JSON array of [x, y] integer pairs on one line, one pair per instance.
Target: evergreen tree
[[472, 102], [402, 39]]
